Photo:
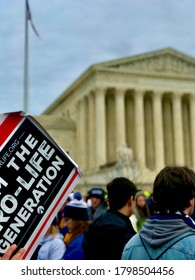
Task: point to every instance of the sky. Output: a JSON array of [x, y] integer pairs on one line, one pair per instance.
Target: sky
[[75, 34]]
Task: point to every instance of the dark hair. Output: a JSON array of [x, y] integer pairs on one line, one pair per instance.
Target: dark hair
[[173, 188], [119, 191]]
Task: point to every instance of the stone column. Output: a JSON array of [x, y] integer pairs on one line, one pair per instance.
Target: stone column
[[91, 118], [120, 118], [192, 128], [159, 156], [178, 130], [78, 133], [83, 134], [139, 128], [100, 124]]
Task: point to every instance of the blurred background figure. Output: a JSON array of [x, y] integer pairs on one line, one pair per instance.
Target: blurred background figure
[[142, 211], [52, 246], [60, 216], [77, 221], [150, 203], [98, 203]]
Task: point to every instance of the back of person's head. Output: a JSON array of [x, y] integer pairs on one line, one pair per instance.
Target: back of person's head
[[119, 191], [173, 188], [53, 229]]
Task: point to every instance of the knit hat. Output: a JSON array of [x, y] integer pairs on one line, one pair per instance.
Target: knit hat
[[71, 196], [96, 192], [76, 209]]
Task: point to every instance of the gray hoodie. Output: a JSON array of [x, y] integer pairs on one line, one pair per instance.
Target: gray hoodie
[[162, 239]]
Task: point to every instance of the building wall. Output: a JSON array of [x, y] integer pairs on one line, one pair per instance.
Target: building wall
[[62, 130], [131, 117]]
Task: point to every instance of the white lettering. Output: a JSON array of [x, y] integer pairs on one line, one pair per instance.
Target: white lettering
[[13, 164], [36, 163], [37, 195], [26, 185], [44, 150], [3, 182], [31, 141], [9, 204], [21, 154]]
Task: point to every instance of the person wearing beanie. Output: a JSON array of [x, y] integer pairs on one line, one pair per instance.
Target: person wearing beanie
[[77, 221], [98, 204], [60, 216], [107, 235]]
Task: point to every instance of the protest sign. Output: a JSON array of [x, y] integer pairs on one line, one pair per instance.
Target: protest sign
[[36, 177]]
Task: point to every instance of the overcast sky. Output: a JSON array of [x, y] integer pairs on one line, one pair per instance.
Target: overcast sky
[[78, 33]]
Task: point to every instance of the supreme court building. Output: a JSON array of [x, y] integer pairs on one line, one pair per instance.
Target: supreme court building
[[128, 117]]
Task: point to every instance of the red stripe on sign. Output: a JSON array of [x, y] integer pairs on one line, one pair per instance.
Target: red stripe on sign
[[50, 214], [8, 125]]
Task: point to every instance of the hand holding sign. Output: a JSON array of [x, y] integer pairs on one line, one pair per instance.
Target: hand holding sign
[[36, 177], [9, 254]]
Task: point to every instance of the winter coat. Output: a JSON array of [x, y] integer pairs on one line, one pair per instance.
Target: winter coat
[[107, 235], [74, 249], [163, 238], [101, 209], [52, 248]]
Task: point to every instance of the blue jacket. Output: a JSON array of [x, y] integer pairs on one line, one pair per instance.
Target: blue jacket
[[74, 250], [52, 248], [167, 238]]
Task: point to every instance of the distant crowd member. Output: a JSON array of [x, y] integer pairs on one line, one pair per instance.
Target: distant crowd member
[[60, 215], [107, 235], [77, 220], [98, 204], [170, 233], [52, 245], [142, 211], [150, 203]]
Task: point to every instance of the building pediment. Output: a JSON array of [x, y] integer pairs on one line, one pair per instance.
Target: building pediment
[[163, 61]]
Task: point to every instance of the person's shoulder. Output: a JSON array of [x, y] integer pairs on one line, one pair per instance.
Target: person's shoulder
[[133, 241], [109, 218], [78, 239], [103, 205], [57, 240], [187, 238], [101, 220]]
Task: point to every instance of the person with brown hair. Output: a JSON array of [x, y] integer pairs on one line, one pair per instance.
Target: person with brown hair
[[170, 233], [77, 221], [142, 211]]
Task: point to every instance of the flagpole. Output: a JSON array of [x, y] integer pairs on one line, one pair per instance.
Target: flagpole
[[26, 56]]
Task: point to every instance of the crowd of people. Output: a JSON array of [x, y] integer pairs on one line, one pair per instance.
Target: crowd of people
[[122, 222]]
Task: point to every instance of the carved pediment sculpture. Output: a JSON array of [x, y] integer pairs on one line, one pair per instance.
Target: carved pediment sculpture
[[166, 61]]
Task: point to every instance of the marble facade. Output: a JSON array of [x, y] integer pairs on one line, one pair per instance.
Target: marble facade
[[129, 117]]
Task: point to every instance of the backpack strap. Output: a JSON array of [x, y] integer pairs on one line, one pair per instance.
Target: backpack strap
[[165, 249], [145, 247]]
